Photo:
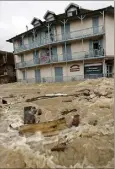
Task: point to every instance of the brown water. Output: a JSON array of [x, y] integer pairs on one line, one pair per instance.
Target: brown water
[[88, 146]]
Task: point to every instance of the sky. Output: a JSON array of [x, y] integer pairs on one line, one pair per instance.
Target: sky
[[15, 15]]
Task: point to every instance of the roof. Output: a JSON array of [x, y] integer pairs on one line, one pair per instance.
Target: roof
[[48, 12], [35, 19], [62, 16], [4, 52], [71, 4]]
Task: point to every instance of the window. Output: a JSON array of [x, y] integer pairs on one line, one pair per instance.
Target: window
[[96, 45]]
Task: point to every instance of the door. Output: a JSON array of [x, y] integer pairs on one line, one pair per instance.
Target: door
[[109, 70], [58, 74], [37, 75], [95, 25], [96, 47]]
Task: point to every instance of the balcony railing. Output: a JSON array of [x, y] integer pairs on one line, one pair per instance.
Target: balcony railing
[[84, 33], [62, 58], [63, 78]]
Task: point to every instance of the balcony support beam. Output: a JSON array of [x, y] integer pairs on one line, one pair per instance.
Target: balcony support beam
[[48, 26], [64, 24]]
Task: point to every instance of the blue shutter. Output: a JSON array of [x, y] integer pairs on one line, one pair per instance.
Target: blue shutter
[[67, 30], [62, 32], [101, 51], [54, 54], [37, 75], [64, 54], [69, 54], [95, 25]]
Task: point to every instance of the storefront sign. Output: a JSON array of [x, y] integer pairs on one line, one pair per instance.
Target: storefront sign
[[93, 69], [74, 68]]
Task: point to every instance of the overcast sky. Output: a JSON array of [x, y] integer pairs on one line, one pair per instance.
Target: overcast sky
[[15, 15]]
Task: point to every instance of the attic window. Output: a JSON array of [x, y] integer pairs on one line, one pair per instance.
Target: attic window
[[50, 18], [72, 13]]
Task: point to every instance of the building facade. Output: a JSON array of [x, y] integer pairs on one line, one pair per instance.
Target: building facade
[[7, 67], [74, 45]]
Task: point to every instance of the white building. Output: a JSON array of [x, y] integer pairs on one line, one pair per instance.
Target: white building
[[74, 45]]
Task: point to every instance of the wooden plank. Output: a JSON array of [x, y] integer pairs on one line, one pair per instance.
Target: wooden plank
[[45, 127]]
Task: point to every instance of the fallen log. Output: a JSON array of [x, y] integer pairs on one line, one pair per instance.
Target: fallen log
[[44, 127]]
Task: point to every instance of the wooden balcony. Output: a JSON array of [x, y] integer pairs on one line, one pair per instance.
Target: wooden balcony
[[61, 38]]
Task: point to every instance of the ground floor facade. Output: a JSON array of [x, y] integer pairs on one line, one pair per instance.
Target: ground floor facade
[[67, 71]]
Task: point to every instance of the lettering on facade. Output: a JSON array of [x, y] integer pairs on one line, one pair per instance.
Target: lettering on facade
[[74, 68]]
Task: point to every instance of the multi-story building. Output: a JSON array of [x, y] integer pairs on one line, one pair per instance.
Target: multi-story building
[[74, 45], [7, 67]]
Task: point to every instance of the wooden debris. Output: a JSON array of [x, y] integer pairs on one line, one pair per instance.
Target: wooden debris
[[45, 127]]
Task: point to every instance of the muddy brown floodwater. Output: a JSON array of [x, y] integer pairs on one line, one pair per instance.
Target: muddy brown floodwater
[[90, 145]]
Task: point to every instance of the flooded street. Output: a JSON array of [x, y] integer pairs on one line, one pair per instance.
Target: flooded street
[[90, 145]]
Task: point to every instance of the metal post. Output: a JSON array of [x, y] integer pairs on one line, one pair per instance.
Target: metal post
[[65, 47], [104, 73]]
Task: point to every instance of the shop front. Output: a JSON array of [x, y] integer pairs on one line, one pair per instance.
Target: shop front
[[93, 70]]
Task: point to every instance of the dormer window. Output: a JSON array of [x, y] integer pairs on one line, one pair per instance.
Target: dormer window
[[36, 22], [72, 10], [49, 16]]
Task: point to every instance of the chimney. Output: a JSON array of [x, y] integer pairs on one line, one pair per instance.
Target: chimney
[[26, 27]]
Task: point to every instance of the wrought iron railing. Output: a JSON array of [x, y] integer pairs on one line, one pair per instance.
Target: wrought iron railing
[[62, 58], [84, 33]]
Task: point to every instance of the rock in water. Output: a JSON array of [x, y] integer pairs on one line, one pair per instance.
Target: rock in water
[[76, 120], [29, 115]]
